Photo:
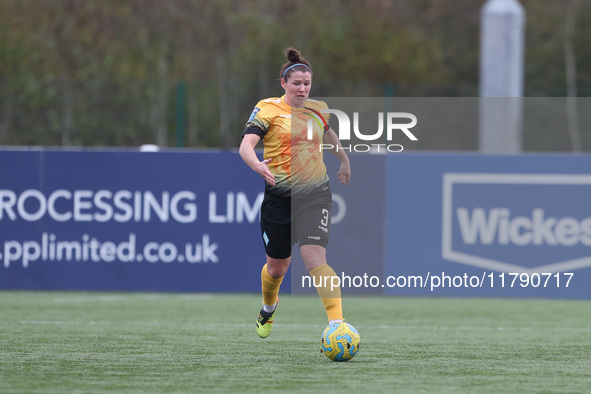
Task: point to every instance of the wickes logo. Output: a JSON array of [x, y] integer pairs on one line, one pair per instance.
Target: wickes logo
[[517, 222], [392, 120], [498, 226]]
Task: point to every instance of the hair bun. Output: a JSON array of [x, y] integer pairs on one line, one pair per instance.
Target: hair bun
[[293, 55]]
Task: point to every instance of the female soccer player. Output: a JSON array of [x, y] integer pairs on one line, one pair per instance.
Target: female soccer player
[[297, 203]]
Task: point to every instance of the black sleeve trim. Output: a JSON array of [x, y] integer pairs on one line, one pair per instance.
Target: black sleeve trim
[[254, 129]]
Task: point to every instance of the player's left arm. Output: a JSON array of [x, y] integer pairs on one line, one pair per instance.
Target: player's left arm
[[331, 138]]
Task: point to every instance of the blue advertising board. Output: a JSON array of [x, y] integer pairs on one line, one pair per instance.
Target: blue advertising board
[[480, 225], [120, 220], [157, 221], [408, 224]]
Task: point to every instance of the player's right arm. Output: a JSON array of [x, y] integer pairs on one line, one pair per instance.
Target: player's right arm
[[249, 142]]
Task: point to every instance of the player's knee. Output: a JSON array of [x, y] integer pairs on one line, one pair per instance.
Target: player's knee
[[277, 267]]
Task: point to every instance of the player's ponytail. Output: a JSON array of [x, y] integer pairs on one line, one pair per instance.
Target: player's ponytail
[[293, 55], [295, 63]]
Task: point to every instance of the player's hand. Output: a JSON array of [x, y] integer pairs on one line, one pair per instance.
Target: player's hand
[[345, 173], [263, 170]]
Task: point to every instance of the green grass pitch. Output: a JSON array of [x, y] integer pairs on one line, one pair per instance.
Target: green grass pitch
[[57, 342]]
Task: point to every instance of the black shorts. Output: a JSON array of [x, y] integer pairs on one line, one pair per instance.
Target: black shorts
[[287, 221]]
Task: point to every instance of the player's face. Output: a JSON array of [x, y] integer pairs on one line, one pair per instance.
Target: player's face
[[297, 87]]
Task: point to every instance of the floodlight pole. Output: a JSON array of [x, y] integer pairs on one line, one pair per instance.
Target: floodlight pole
[[501, 76]]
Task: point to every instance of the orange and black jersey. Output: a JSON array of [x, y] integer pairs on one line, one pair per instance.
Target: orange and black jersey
[[292, 139]]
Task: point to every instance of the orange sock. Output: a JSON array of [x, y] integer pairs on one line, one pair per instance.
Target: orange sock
[[328, 292], [270, 287]]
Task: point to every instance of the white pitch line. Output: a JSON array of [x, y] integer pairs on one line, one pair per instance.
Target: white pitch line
[[55, 322], [124, 297], [476, 328], [380, 327]]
